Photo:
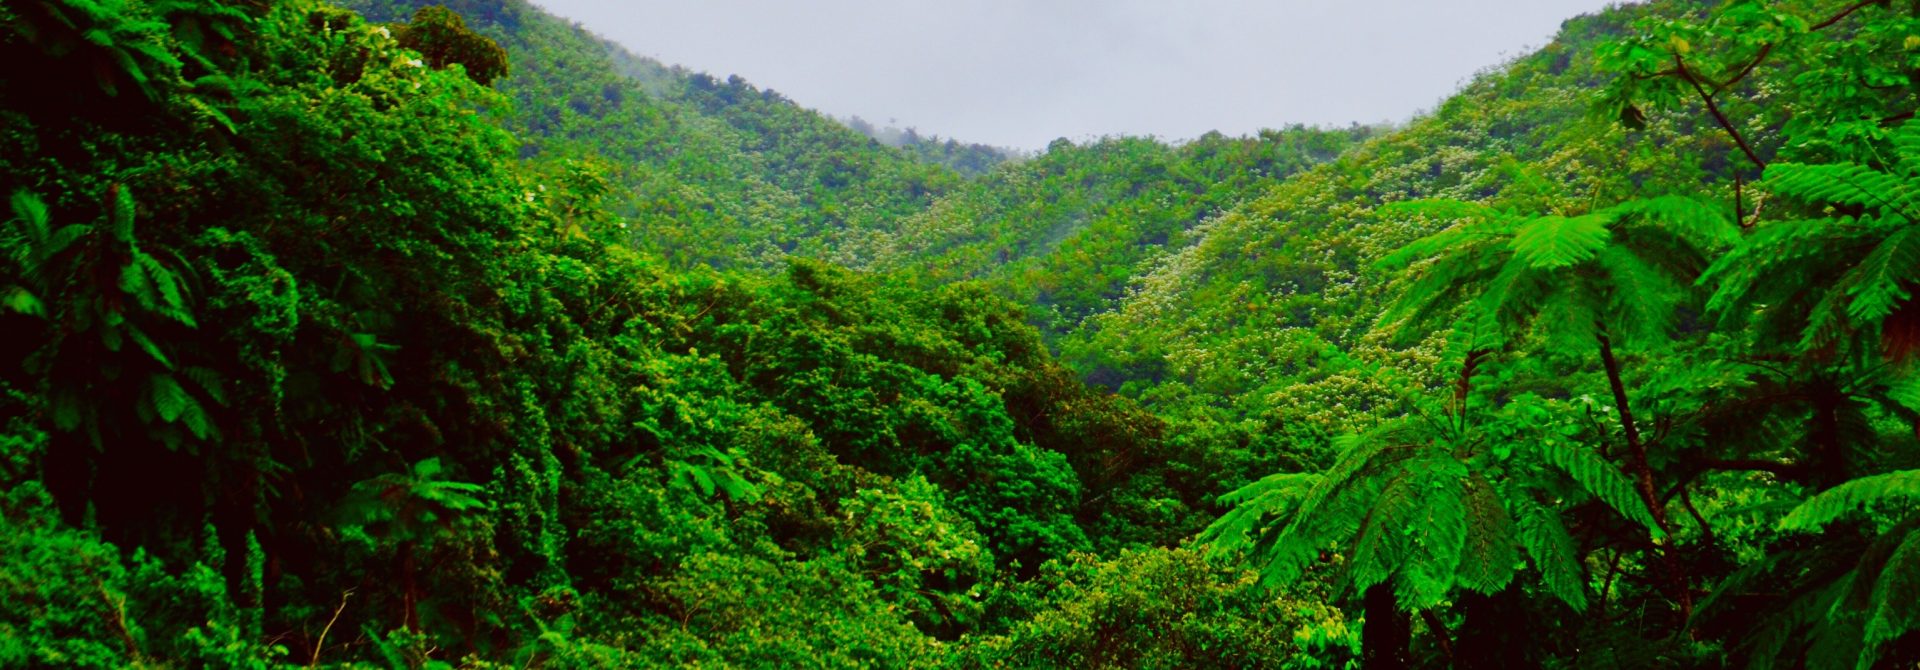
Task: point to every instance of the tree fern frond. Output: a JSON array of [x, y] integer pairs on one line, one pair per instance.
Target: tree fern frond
[[1906, 392], [1906, 145], [172, 301], [1566, 317], [1552, 242], [1603, 480], [1880, 281], [1838, 501], [170, 400], [1253, 504], [120, 213], [1894, 610], [1641, 299], [1514, 297], [1840, 184], [1437, 535], [1700, 225], [1490, 551], [1386, 535], [1474, 223], [1336, 507], [1546, 541], [1770, 246]]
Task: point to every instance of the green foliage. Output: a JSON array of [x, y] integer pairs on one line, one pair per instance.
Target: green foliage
[[1859, 245], [323, 352], [1820, 510], [1165, 608]]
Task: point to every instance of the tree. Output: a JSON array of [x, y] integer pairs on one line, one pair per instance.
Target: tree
[[411, 511], [1431, 504], [443, 39], [1586, 283]]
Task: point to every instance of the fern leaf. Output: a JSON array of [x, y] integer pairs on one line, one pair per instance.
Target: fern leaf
[[1603, 480], [1552, 242], [1895, 608], [1906, 143], [58, 240], [19, 300], [28, 208], [1438, 534], [1879, 282], [170, 400], [209, 381], [1566, 317], [1335, 508], [1838, 501], [173, 302], [1274, 483], [1546, 541], [1640, 302], [1906, 392], [121, 213], [1702, 227], [1253, 504], [147, 345], [1386, 537], [1490, 550], [1839, 184]]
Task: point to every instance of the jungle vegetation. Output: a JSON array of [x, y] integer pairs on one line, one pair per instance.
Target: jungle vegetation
[[402, 335]]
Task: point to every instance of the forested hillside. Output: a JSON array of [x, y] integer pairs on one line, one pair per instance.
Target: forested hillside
[[398, 335]]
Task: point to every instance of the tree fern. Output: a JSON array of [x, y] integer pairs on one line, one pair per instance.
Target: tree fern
[[1861, 258]]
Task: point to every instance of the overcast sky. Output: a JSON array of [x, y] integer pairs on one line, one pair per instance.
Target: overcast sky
[[1020, 73]]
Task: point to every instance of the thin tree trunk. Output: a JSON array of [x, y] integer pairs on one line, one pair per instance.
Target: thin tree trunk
[[1642, 472], [1829, 453], [1387, 636], [410, 600]]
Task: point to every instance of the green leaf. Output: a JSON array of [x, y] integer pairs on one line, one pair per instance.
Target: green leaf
[[1603, 480], [1490, 550], [170, 400], [1895, 607], [21, 301], [30, 209], [1551, 548], [1852, 496], [1551, 242]]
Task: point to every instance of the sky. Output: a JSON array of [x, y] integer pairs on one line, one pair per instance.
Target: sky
[[1020, 73]]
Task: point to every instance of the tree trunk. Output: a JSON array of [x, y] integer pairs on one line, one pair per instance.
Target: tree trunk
[[410, 599], [1387, 635], [1642, 472], [1828, 453]]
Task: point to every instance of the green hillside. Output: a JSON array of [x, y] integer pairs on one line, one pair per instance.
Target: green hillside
[[458, 337], [710, 171]]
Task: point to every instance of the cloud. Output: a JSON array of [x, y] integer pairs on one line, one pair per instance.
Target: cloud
[[1022, 72]]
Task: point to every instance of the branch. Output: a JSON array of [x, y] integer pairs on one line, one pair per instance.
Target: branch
[[1714, 108], [1706, 530], [1440, 633], [1744, 71], [1844, 13], [322, 642]]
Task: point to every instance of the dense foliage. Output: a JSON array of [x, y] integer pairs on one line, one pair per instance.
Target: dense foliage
[[458, 337]]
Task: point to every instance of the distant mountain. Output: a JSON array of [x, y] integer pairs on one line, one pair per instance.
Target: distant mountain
[[712, 171]]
